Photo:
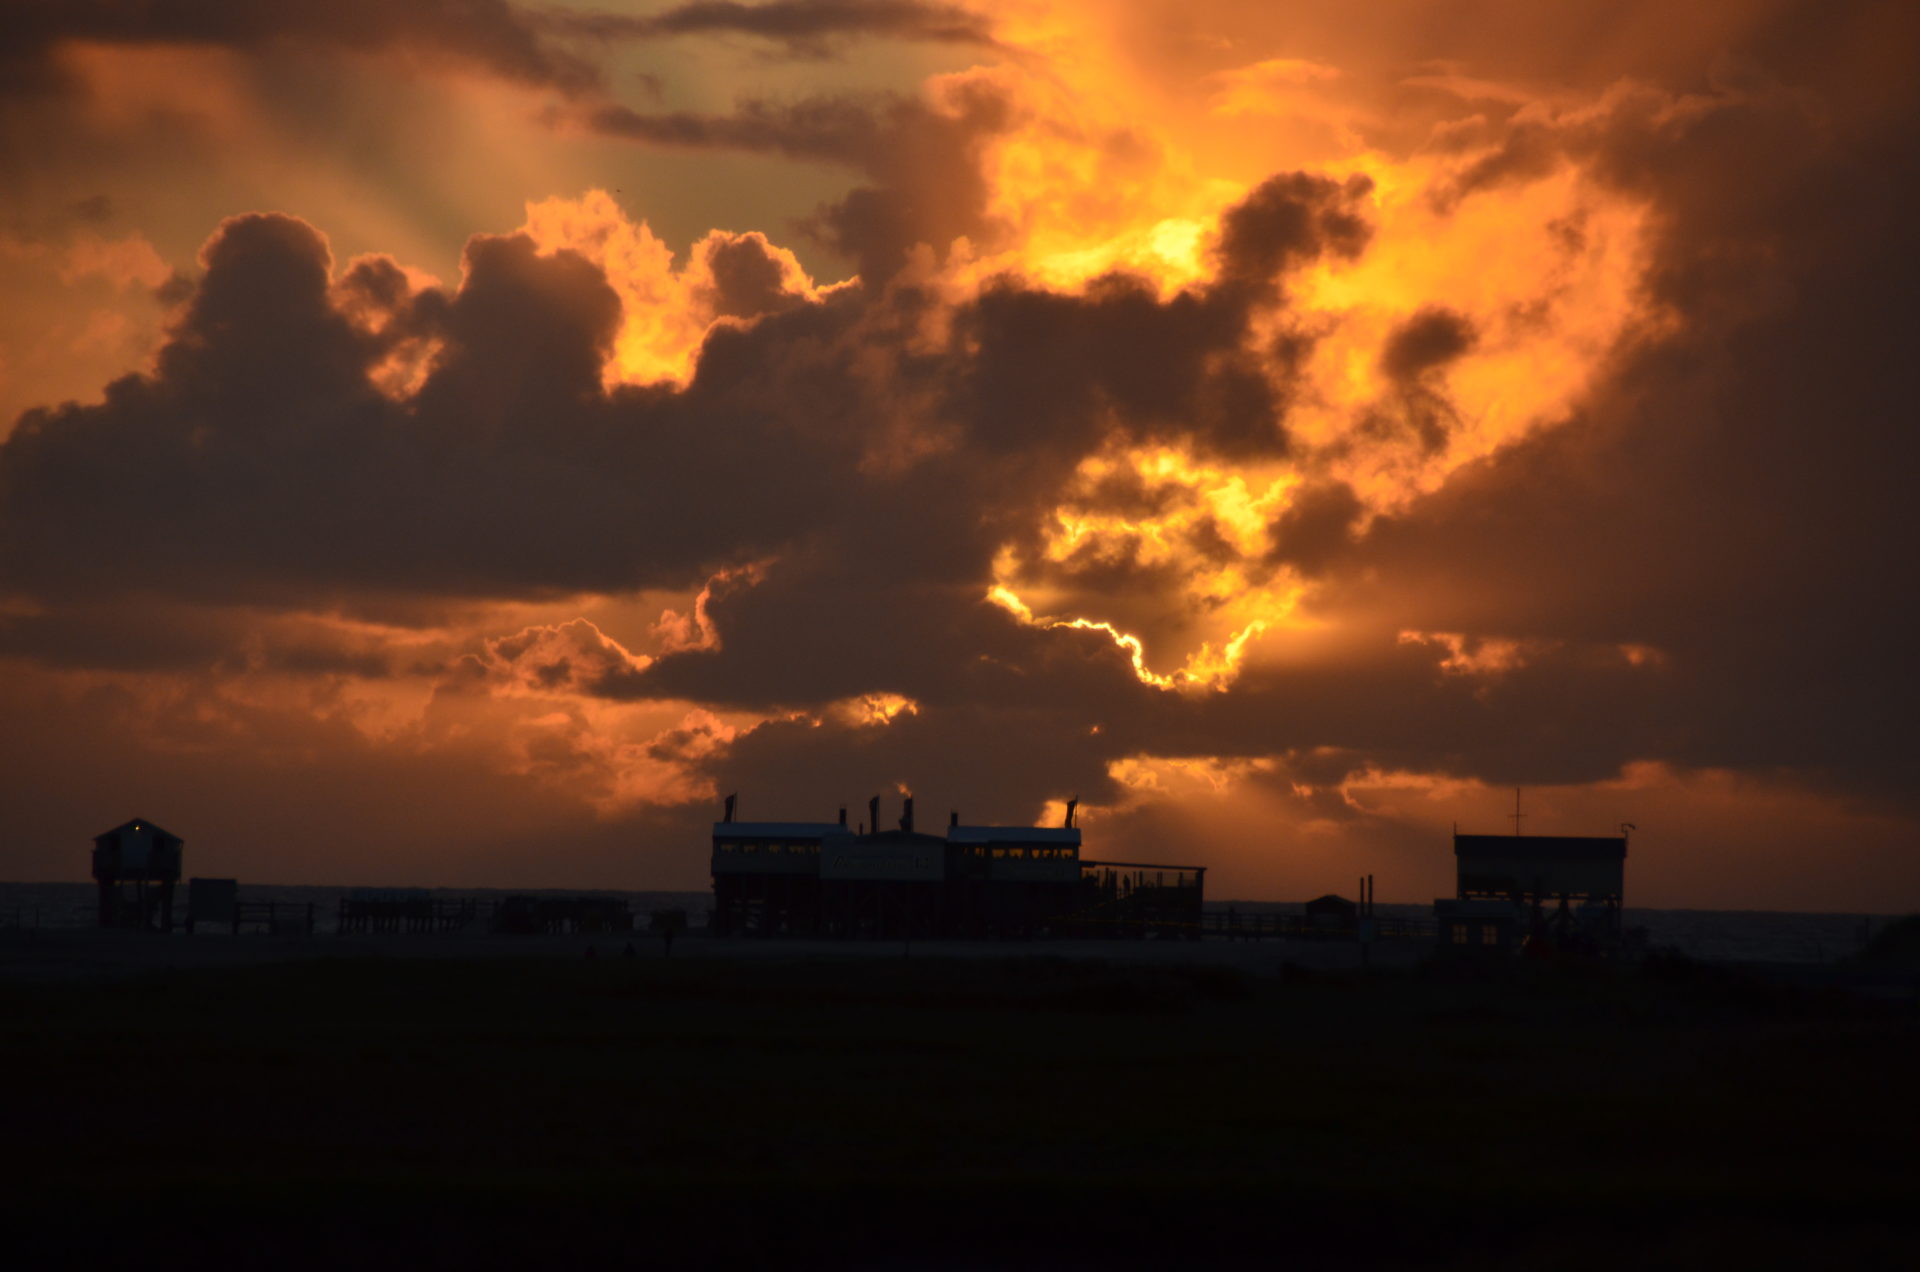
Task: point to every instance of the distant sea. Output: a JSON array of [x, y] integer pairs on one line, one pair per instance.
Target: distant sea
[[1721, 936]]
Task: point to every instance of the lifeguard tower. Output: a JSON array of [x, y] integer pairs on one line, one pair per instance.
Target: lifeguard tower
[[136, 866]]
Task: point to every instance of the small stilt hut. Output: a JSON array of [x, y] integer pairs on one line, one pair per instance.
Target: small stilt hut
[[136, 866]]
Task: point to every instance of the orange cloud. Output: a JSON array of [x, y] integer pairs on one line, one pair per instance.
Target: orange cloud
[[666, 311]]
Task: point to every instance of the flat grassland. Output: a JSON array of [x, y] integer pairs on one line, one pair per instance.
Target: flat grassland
[[954, 1113]]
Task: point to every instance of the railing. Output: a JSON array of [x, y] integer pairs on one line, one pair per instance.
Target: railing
[[418, 915], [276, 918], [48, 918], [1311, 927]]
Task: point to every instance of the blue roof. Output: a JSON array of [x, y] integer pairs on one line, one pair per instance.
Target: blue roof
[[1014, 835], [778, 830]]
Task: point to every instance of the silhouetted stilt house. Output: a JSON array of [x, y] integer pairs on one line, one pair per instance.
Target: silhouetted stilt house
[[824, 879], [891, 883], [1016, 880], [1512, 888], [766, 875], [136, 866]]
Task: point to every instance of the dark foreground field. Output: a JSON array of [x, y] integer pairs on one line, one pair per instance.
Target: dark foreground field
[[1024, 1113]]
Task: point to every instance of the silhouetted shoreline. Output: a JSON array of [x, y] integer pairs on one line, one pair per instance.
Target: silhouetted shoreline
[[1724, 936]]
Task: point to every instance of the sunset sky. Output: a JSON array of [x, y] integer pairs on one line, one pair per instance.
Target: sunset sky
[[455, 442]]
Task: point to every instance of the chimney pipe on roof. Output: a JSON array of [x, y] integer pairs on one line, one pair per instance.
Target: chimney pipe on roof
[[953, 818], [873, 814], [727, 816], [1071, 805], [906, 815], [843, 814]]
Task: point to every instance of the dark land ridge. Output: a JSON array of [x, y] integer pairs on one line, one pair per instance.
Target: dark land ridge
[[558, 1110]]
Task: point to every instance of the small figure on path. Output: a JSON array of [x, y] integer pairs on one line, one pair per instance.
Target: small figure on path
[[669, 924]]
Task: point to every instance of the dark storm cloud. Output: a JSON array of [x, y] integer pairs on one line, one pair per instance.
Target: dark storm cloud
[[1023, 733], [1415, 356], [924, 161], [886, 592], [259, 463], [810, 634], [1733, 495], [1287, 219], [1046, 364], [526, 334], [258, 459], [1315, 532], [809, 28], [1061, 370], [748, 279], [1430, 339], [490, 34], [1563, 713]]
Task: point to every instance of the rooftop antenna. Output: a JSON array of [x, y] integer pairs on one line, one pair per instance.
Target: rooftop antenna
[[1516, 814]]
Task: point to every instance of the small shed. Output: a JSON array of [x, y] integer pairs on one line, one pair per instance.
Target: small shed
[[136, 865], [214, 901], [1333, 912]]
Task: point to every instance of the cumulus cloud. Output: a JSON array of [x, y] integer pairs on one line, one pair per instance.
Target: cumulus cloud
[[276, 464]]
